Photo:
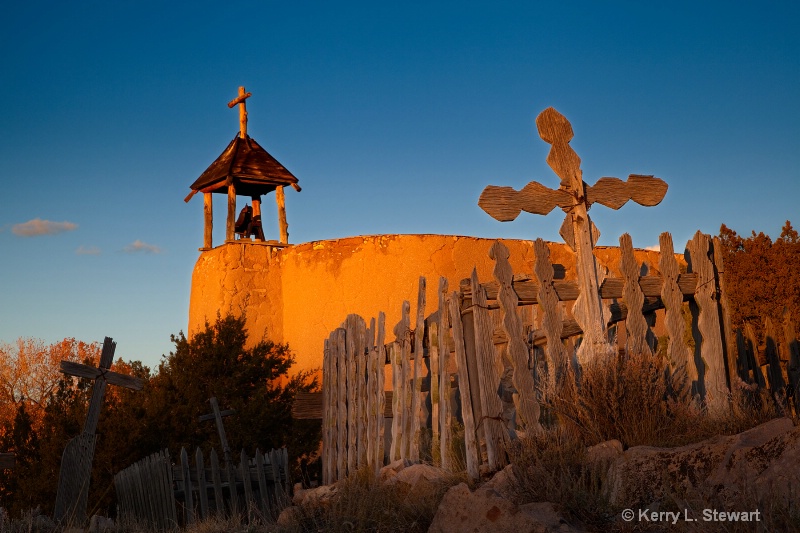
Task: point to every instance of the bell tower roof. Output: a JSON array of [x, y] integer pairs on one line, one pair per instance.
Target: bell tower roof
[[249, 166]]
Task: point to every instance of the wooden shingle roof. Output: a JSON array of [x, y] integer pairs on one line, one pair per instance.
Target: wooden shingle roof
[[253, 170]]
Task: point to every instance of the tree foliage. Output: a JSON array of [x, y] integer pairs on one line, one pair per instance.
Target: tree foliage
[[29, 374], [216, 362], [134, 424], [761, 276]]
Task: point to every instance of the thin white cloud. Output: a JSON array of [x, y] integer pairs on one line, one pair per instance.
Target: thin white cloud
[[37, 226], [138, 246], [87, 250], [654, 248]]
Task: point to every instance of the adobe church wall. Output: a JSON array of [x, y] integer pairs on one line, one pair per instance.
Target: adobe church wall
[[237, 278], [299, 294]]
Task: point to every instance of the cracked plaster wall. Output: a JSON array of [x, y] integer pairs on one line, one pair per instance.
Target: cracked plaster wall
[[299, 294]]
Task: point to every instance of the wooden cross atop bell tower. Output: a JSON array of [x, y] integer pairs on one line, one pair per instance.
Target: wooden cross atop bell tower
[[575, 198], [244, 168], [240, 101]]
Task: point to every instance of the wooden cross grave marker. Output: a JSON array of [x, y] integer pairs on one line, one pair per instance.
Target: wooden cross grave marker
[[575, 198], [76, 463], [217, 415]]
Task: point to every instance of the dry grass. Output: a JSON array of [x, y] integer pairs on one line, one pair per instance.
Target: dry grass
[[639, 400], [551, 466], [365, 504]]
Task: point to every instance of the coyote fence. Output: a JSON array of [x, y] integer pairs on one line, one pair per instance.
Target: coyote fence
[[478, 367], [162, 495]]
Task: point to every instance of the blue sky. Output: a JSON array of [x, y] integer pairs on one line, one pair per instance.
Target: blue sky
[[393, 116]]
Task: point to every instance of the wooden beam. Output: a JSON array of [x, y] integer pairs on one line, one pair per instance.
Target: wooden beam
[[113, 378], [217, 416], [341, 403], [230, 228], [552, 316], [208, 221], [308, 405], [258, 229], [678, 354], [402, 333], [728, 336], [445, 414], [708, 323], [329, 381], [212, 416], [527, 289], [527, 404], [556, 130], [793, 355], [494, 428], [636, 327], [283, 226], [470, 442], [417, 370]]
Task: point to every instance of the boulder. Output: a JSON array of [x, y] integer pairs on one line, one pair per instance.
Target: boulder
[[604, 452], [546, 514], [289, 516], [393, 468], [416, 475], [298, 494], [320, 496], [487, 511], [504, 482], [761, 462]]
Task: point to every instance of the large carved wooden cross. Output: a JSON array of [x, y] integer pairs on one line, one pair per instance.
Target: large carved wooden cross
[[575, 197], [76, 463]]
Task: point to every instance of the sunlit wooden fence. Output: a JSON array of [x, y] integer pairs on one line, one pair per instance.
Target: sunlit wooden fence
[[467, 375]]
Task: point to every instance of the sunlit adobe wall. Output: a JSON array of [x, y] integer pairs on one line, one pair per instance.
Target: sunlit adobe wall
[[299, 294]]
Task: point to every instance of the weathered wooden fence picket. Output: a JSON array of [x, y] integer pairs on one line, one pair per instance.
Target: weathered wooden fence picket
[[162, 495], [354, 398], [491, 352]]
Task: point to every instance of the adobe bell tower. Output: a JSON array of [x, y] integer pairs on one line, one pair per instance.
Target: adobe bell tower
[[244, 168]]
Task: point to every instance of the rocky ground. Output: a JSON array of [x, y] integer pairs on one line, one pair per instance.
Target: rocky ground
[[759, 468], [752, 477]]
